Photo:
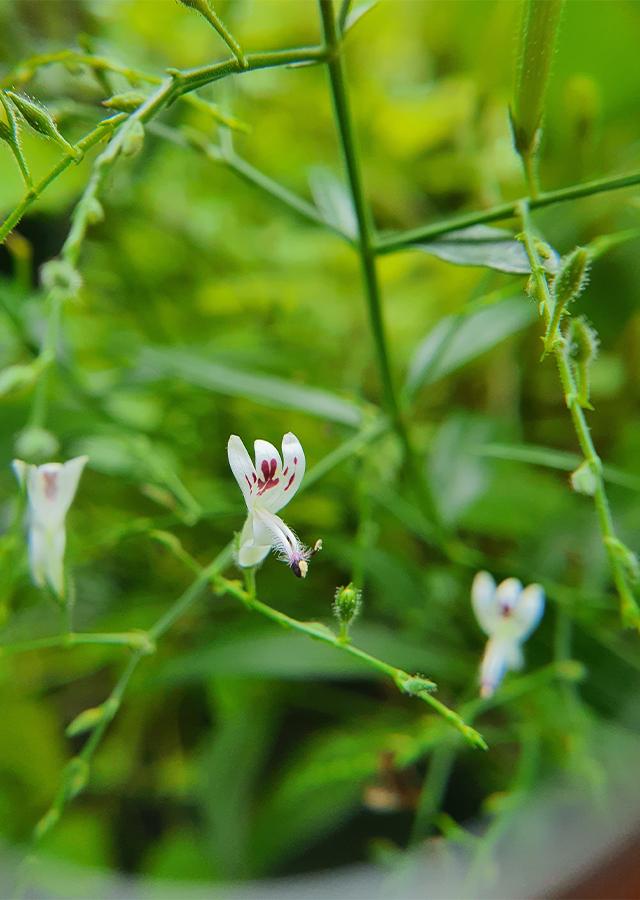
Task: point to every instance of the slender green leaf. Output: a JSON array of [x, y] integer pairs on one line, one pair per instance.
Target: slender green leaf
[[553, 459], [458, 339], [333, 200], [161, 362], [481, 245]]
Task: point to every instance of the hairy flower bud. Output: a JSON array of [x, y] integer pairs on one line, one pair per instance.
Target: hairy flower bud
[[583, 346], [583, 480], [347, 604], [572, 276], [126, 102], [40, 120]]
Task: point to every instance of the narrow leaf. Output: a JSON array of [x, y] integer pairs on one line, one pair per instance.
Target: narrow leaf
[[457, 340], [554, 459], [159, 362], [333, 200], [481, 245]]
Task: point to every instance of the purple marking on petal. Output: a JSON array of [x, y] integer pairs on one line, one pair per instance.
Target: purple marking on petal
[[50, 484], [295, 460], [255, 477], [274, 466], [264, 465], [290, 480], [248, 482], [285, 471]]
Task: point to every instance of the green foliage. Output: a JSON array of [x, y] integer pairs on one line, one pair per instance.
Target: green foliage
[[193, 288]]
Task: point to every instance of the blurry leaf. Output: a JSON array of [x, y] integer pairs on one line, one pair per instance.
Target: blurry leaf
[[178, 855], [480, 245], [553, 459], [231, 762], [458, 339], [456, 474], [323, 784], [271, 653], [333, 200], [159, 362], [357, 13], [135, 457]]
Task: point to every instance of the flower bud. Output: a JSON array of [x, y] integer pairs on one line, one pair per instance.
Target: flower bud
[[126, 102], [583, 345], [88, 719], [572, 276], [60, 275], [40, 120], [76, 774], [132, 137], [583, 480], [346, 605], [36, 444]]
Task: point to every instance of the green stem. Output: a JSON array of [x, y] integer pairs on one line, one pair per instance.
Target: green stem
[[320, 632], [628, 606], [433, 790], [205, 10], [404, 239], [365, 246], [85, 144], [136, 640]]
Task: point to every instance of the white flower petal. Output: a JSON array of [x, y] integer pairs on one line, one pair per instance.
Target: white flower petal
[[242, 468], [482, 599], [38, 555], [529, 610], [20, 469], [68, 480], [493, 666], [270, 480], [293, 461]]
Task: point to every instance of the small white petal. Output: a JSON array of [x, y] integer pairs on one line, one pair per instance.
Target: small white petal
[[20, 469], [529, 609], [270, 479], [482, 599], [294, 462], [242, 468], [68, 480], [38, 555], [493, 666]]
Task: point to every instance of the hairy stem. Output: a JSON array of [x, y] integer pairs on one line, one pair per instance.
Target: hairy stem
[[615, 549]]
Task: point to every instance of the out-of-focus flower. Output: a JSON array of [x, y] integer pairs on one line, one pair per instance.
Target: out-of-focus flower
[[50, 491], [507, 613], [267, 487]]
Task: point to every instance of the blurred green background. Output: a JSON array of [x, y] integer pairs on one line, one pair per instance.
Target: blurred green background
[[243, 750]]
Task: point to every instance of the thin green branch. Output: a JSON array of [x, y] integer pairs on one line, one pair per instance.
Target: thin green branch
[[135, 640], [616, 551], [365, 246], [415, 685], [205, 10], [90, 140], [76, 773], [403, 240]]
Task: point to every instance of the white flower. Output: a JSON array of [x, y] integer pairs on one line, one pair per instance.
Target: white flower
[[507, 614], [267, 487], [50, 492]]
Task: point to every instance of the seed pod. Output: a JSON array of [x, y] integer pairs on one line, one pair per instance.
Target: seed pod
[[40, 120], [127, 102], [583, 348], [132, 137], [583, 480], [572, 276], [347, 603], [541, 21]]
